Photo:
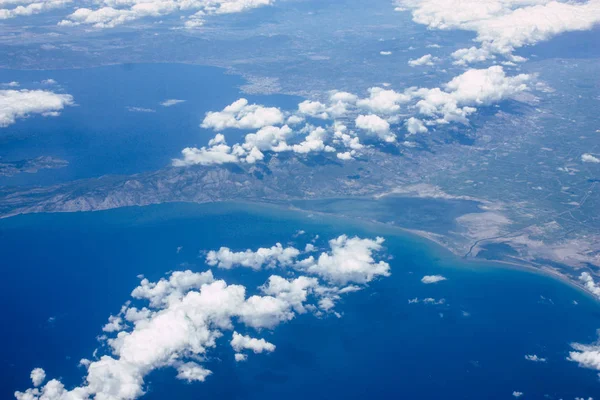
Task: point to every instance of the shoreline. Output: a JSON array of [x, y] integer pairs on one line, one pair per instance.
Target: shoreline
[[428, 237]]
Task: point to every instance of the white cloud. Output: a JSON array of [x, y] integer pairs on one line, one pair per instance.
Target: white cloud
[[587, 356], [504, 25], [240, 357], [171, 102], [23, 8], [242, 115], [428, 300], [191, 372], [263, 257], [15, 104], [589, 284], [140, 109], [375, 124], [112, 13], [350, 260], [590, 158], [427, 59], [383, 101], [429, 279], [243, 342], [517, 394], [475, 87], [38, 376], [535, 358], [313, 109], [217, 152], [415, 125], [385, 53]]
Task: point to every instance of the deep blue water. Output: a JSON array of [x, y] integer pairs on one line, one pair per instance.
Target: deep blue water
[[101, 136], [79, 268]]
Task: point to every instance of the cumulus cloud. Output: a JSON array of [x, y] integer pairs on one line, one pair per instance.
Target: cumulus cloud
[[376, 125], [243, 342], [187, 312], [23, 8], [589, 283], [383, 101], [429, 279], [586, 356], [517, 394], [427, 59], [349, 260], [15, 104], [111, 13], [504, 25], [38, 376], [475, 87], [588, 158], [217, 152], [242, 115], [415, 125], [263, 257]]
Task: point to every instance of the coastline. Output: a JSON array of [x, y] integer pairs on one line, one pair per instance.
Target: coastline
[[428, 238]]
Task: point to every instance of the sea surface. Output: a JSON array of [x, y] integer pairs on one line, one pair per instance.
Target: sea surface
[[64, 274]]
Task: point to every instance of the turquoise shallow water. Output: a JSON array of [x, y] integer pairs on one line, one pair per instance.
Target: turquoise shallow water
[[63, 274]]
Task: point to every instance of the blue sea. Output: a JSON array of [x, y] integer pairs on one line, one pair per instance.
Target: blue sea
[[64, 274]]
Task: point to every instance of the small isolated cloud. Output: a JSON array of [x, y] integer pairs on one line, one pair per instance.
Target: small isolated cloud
[[240, 357], [38, 376], [428, 300], [535, 358], [588, 158], [240, 342], [427, 59], [140, 109], [49, 82], [429, 279], [517, 394], [385, 53], [16, 104], [171, 102]]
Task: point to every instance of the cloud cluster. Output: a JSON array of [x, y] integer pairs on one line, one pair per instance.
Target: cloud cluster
[[350, 260], [112, 13], [377, 117], [183, 317], [15, 104], [23, 8], [503, 25]]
